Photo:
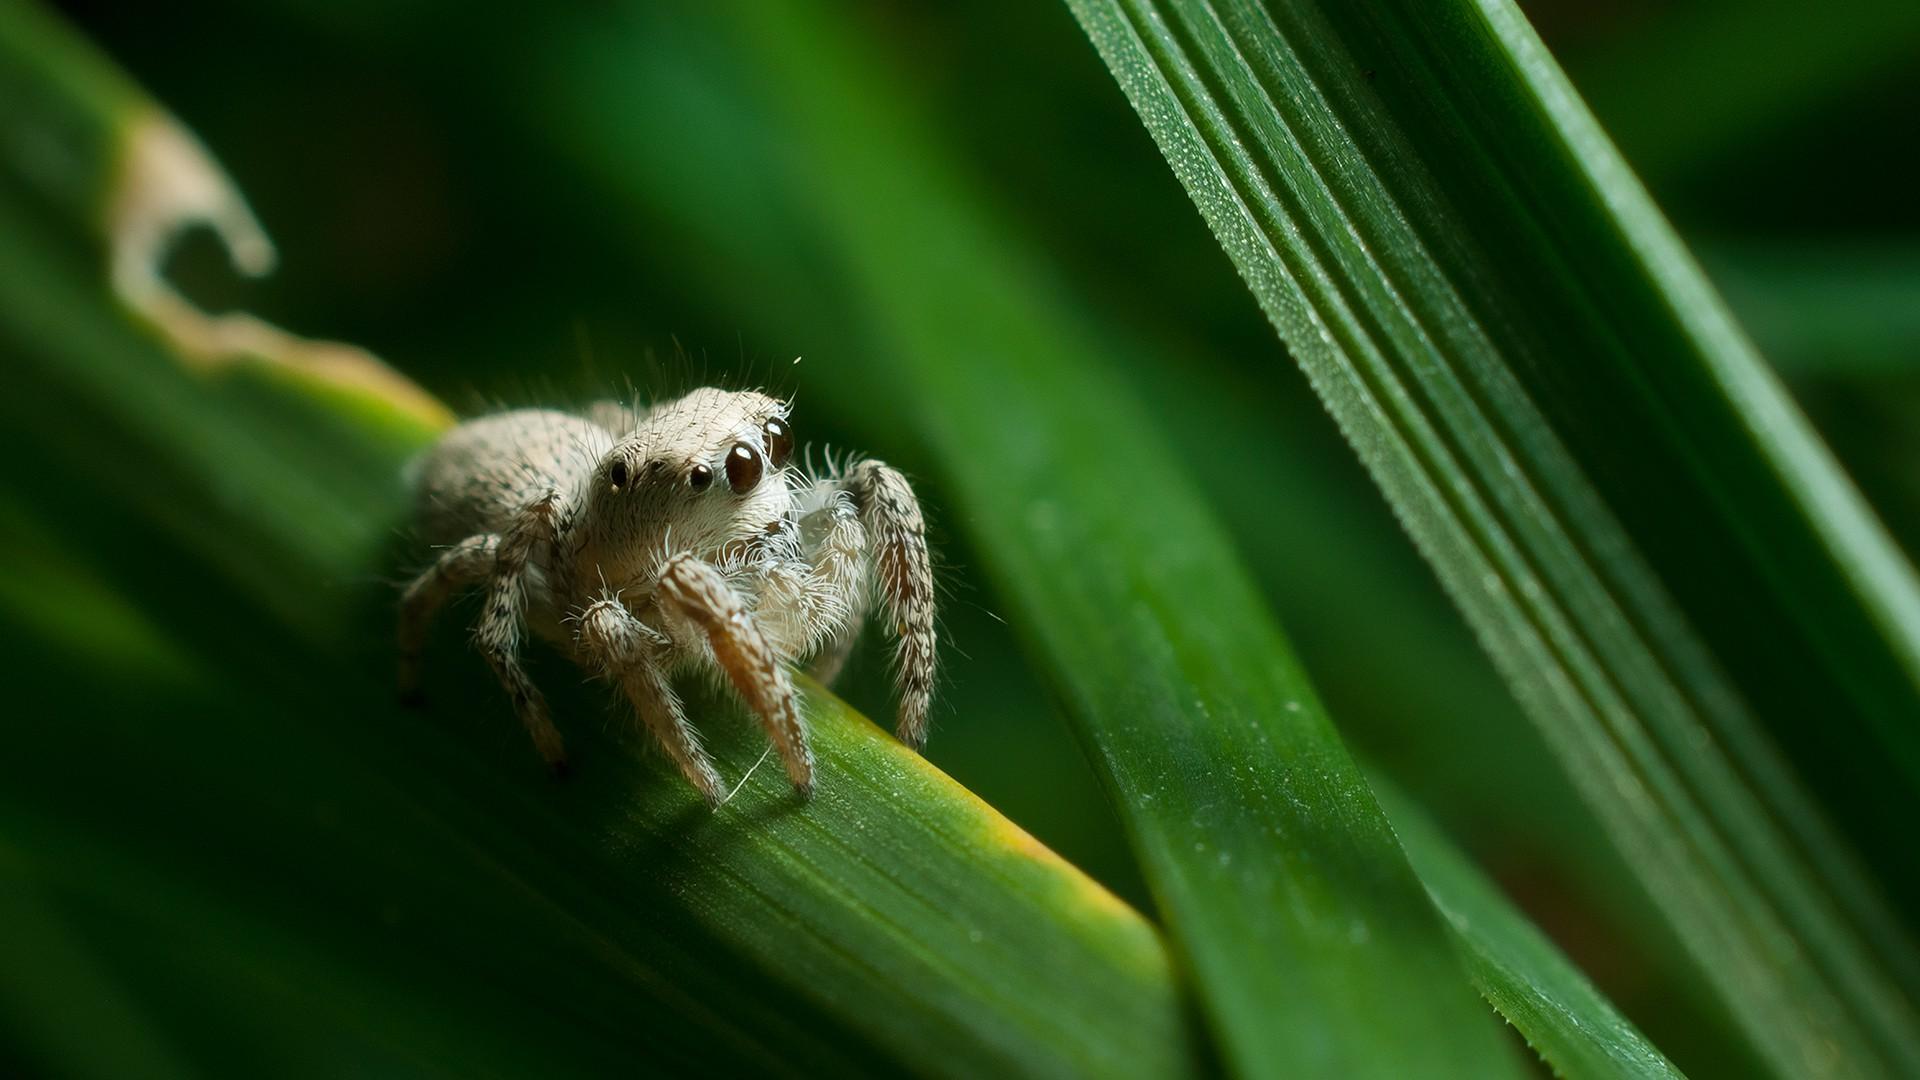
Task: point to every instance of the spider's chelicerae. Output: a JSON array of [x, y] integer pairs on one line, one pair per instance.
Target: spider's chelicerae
[[648, 543]]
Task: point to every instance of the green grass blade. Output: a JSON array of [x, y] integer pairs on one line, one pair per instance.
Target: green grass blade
[[1486, 299], [1518, 970], [377, 887]]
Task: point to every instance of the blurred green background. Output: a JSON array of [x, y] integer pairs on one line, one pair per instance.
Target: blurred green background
[[551, 203]]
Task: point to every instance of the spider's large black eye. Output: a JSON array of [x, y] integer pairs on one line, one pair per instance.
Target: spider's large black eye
[[618, 474], [699, 478], [779, 442], [743, 468]]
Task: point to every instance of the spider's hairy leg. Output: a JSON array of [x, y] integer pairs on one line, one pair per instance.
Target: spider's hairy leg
[[465, 563], [698, 591], [498, 634], [897, 533], [623, 649]]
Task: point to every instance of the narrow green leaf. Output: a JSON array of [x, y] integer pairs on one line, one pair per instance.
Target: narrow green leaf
[[1487, 302], [273, 810], [1519, 971]]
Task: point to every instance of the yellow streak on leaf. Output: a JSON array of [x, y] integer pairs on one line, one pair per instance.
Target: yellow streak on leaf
[[1001, 832]]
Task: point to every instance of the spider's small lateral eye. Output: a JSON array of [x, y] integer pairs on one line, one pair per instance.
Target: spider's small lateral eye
[[779, 442], [743, 468], [618, 474], [700, 478]]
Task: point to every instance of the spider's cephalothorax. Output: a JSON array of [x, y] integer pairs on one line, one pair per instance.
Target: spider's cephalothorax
[[645, 544]]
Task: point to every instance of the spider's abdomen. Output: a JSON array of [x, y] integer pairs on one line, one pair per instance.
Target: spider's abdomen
[[484, 472]]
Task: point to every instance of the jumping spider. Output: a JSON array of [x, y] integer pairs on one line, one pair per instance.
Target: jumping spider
[[648, 543]]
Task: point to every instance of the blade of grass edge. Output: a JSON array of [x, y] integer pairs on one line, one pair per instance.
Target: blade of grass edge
[[1520, 972], [1317, 197]]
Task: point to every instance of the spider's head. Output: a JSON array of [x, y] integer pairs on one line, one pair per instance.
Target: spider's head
[[703, 470]]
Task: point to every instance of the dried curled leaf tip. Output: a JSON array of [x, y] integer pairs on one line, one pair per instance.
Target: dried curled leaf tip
[[168, 184]]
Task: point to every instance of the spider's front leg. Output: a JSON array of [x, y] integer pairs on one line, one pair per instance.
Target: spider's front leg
[[625, 650], [498, 634], [897, 532], [697, 591]]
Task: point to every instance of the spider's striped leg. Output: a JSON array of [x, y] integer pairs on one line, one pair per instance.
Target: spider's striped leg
[[891, 516]]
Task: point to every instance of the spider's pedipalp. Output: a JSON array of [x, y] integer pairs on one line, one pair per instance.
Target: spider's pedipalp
[[695, 590]]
